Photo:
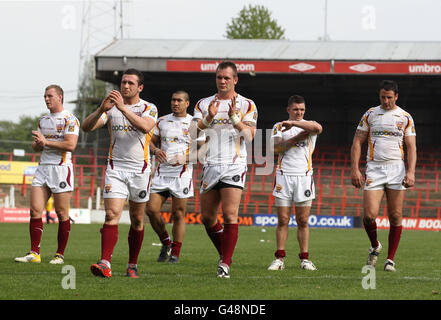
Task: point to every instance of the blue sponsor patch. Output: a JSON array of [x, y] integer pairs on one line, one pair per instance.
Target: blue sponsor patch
[[313, 221]]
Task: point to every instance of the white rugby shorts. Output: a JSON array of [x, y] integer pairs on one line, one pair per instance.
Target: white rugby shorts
[[133, 186], [233, 175], [57, 178], [296, 189], [385, 174], [179, 187]]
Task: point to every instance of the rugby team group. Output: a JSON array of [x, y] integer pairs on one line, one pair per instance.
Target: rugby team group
[[216, 135]]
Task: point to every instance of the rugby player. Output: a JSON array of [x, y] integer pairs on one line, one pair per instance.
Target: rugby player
[[387, 128], [228, 121], [294, 143], [130, 121], [173, 176], [56, 139]]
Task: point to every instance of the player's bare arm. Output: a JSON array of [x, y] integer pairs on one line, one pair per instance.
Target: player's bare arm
[[309, 126], [357, 179], [94, 121], [68, 144], [280, 145], [160, 155], [409, 178], [144, 124]]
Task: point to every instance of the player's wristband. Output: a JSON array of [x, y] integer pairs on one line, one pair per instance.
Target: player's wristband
[[206, 123], [235, 119]]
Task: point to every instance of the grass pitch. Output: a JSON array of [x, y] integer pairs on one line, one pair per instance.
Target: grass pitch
[[338, 254]]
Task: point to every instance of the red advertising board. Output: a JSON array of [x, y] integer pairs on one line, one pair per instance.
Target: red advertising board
[[251, 66], [430, 224], [305, 66], [16, 215], [363, 67]]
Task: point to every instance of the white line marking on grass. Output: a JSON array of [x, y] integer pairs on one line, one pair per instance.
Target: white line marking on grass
[[348, 277]]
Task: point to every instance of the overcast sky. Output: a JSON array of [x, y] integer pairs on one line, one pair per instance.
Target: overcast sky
[[41, 40]]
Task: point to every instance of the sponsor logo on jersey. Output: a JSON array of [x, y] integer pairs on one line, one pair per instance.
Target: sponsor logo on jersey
[[125, 128], [301, 144], [387, 133], [221, 121], [53, 136]]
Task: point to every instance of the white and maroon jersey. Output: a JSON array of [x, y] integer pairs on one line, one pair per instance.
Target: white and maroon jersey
[[129, 147], [225, 146], [174, 135], [297, 160], [54, 127], [386, 131]]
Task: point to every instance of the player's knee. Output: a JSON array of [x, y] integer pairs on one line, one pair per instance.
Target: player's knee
[[178, 214], [137, 224], [302, 222], [62, 214], [395, 218], [283, 221], [368, 220], [35, 213], [111, 215]]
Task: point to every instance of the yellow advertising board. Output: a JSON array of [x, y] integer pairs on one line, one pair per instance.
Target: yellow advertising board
[[12, 172]]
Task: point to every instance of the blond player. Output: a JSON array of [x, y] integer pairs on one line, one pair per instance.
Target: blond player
[[130, 121], [228, 121], [386, 128], [173, 176], [56, 138], [294, 142]]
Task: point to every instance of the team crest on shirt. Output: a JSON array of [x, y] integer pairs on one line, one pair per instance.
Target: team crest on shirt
[[59, 125], [399, 124], [142, 194], [152, 113], [107, 188]]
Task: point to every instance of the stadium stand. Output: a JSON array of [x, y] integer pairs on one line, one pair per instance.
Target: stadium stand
[[334, 193]]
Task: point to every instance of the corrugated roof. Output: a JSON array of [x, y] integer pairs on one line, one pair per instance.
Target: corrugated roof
[[273, 50]]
